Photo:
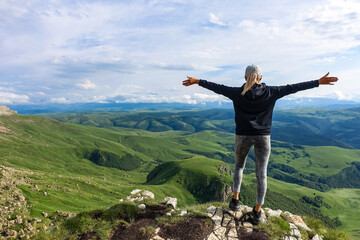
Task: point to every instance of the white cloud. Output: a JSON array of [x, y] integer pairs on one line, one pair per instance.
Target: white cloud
[[215, 20], [12, 98], [60, 100], [86, 84], [56, 45], [343, 96], [38, 94]]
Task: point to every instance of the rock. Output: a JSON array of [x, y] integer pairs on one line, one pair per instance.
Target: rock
[[297, 220], [157, 237], [245, 208], [4, 110], [232, 224], [43, 227], [317, 237], [170, 201], [133, 192], [133, 199], [45, 214], [19, 220], [212, 236], [168, 214], [247, 225], [294, 231], [211, 211], [20, 198], [140, 195], [263, 216], [238, 215], [148, 194], [290, 238], [44, 193], [121, 200], [232, 233], [226, 219], [157, 230], [183, 212], [11, 233], [217, 218], [220, 232], [269, 212], [103, 178], [142, 206]]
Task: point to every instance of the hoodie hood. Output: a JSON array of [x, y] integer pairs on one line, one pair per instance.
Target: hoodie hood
[[256, 92]]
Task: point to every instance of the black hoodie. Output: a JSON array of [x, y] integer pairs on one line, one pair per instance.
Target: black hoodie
[[253, 111]]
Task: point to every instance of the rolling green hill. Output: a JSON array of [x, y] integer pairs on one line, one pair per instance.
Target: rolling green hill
[[103, 157], [314, 127], [58, 155]]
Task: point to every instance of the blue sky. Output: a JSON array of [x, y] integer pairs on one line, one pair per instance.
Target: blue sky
[[140, 51]]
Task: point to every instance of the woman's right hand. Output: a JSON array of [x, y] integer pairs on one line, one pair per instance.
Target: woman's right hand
[[327, 80], [190, 81]]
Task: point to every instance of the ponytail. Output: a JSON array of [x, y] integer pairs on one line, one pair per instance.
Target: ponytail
[[251, 79]]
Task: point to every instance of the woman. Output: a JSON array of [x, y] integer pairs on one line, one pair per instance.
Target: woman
[[254, 104]]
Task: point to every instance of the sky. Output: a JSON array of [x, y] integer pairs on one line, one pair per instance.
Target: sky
[[62, 51]]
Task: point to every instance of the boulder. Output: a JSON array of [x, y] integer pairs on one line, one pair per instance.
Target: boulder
[[142, 206], [211, 211], [270, 213], [170, 201], [183, 212], [148, 194]]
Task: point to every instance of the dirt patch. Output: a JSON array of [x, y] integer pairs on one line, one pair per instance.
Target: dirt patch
[[145, 226], [139, 230], [189, 228], [152, 211], [243, 235]]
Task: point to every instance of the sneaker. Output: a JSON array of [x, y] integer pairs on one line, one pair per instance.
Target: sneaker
[[256, 216], [234, 205]]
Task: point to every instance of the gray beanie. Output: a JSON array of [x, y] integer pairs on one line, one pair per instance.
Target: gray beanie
[[253, 68]]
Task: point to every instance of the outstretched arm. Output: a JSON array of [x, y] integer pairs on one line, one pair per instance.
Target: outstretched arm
[[281, 91], [229, 92]]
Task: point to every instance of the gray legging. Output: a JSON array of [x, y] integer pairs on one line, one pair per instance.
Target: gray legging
[[262, 149]]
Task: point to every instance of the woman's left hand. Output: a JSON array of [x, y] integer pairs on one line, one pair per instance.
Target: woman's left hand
[[190, 81]]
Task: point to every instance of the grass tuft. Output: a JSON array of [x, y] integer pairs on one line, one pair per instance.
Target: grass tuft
[[276, 227]]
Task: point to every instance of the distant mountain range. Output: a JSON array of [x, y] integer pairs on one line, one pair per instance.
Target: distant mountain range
[[327, 103]]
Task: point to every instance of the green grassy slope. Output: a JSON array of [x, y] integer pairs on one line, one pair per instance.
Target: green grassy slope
[[55, 152], [343, 202]]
